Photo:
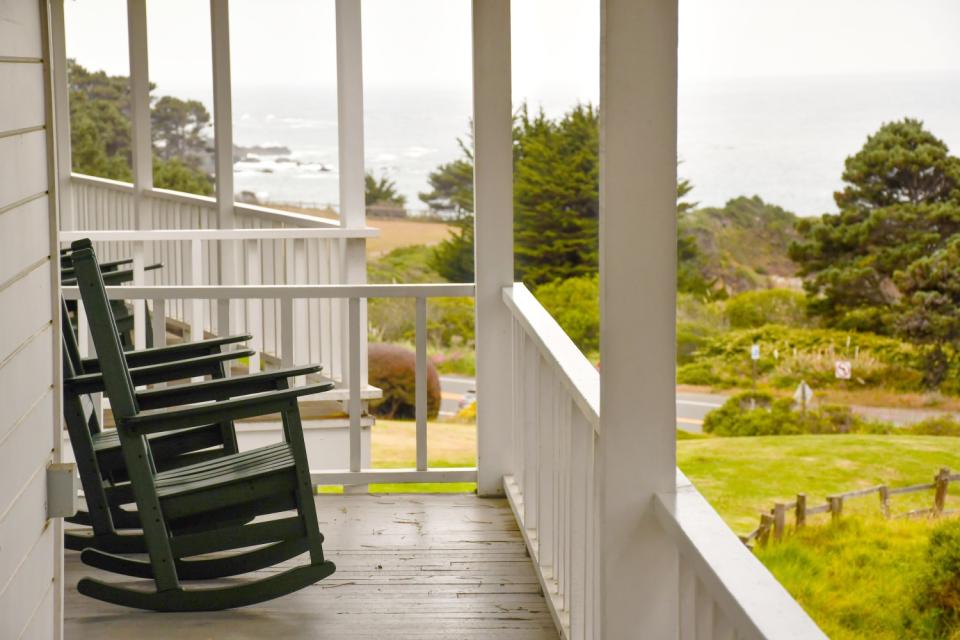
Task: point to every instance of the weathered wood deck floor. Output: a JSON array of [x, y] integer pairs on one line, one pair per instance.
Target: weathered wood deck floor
[[413, 566]]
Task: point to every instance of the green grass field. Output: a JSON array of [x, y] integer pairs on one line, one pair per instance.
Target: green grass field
[[742, 476], [856, 578]]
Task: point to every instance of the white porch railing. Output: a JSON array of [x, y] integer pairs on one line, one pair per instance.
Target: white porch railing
[[725, 593], [286, 295], [270, 247]]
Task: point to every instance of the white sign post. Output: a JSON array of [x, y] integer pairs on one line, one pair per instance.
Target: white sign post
[[803, 395], [842, 370], [755, 352]]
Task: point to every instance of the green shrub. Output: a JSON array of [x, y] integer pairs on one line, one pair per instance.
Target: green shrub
[[699, 373], [937, 601], [758, 413], [393, 369], [575, 305], [691, 337], [791, 354], [937, 426], [752, 309]]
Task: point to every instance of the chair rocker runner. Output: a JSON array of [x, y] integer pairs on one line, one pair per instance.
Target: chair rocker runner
[[210, 506]]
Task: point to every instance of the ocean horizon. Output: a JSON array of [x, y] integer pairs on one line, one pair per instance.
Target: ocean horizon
[[783, 139]]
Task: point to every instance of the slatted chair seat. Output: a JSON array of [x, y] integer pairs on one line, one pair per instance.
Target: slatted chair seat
[[227, 503], [171, 449]]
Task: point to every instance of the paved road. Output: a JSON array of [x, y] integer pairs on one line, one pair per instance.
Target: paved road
[[691, 407], [452, 390]]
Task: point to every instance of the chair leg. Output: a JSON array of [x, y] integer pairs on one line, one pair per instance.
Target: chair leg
[[304, 491]]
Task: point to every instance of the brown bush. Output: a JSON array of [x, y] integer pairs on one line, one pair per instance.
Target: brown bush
[[394, 369]]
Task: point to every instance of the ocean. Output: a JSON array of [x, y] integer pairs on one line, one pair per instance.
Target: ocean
[[783, 139]]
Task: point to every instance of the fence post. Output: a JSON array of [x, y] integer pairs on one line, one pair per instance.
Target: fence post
[[766, 523], [885, 500], [779, 520], [942, 481], [836, 507], [801, 510]]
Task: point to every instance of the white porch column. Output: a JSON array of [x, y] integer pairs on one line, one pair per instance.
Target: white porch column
[[141, 145], [61, 113], [353, 215], [493, 238], [223, 151], [141, 148], [637, 450], [353, 211]]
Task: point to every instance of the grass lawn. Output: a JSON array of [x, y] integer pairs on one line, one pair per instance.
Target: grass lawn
[[394, 446], [742, 476], [393, 233], [857, 578], [403, 233]]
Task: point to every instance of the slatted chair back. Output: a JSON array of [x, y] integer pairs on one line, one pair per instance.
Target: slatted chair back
[[123, 402]]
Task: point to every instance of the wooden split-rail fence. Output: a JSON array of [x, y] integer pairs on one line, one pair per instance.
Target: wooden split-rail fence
[[773, 523]]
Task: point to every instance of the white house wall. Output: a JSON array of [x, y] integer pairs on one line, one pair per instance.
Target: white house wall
[[30, 590]]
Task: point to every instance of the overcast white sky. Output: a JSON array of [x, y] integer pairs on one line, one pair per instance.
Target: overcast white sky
[[409, 43]]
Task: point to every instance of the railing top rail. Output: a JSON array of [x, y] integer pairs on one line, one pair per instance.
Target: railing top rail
[[289, 291], [257, 211], [756, 604], [579, 376], [106, 183], [181, 235]]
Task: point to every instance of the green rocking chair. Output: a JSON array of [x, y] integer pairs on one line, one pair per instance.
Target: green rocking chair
[[97, 451], [211, 506]]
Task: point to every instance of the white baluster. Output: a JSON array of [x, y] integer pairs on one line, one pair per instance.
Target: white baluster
[[421, 384], [139, 305], [354, 404], [254, 319]]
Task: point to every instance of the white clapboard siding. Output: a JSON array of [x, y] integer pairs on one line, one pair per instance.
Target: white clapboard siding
[[20, 33], [30, 549], [21, 101], [30, 319], [23, 166], [29, 224]]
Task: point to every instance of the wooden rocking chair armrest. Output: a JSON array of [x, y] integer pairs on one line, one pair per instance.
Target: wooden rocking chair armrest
[[67, 269], [259, 404], [111, 278], [160, 355], [162, 372], [219, 389]]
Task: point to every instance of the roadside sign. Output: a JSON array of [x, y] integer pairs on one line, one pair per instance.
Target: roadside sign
[[842, 369], [755, 352], [803, 394]]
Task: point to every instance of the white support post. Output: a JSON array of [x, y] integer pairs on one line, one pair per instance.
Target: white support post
[[140, 141], [223, 151], [493, 237], [637, 442], [61, 113], [351, 148], [141, 147]]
